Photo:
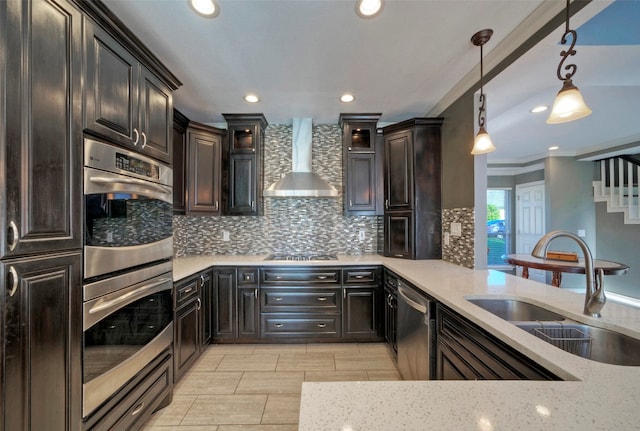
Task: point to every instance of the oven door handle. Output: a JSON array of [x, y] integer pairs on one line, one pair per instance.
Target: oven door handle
[[132, 181], [101, 305]]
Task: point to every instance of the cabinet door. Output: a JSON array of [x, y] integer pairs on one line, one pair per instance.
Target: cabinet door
[[179, 163], [360, 312], [243, 138], [40, 168], [360, 183], [186, 342], [206, 309], [42, 324], [398, 231], [204, 173], [111, 91], [391, 300], [360, 137], [224, 297], [248, 313], [242, 188], [398, 191], [155, 104]]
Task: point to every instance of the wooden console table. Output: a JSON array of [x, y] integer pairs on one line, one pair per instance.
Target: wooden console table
[[557, 267]]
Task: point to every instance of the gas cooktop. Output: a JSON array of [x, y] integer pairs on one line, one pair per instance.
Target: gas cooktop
[[300, 257]]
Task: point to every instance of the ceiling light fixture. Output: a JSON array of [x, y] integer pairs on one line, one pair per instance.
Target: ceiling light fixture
[[347, 98], [482, 144], [251, 98], [206, 8], [569, 104], [555, 147], [369, 8], [540, 108]]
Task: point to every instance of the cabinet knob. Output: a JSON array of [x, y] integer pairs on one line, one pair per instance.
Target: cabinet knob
[[253, 150], [349, 148], [12, 235], [13, 274], [135, 142]]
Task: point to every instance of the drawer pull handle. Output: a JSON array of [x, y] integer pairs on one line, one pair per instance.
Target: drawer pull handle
[[202, 280], [322, 325], [322, 277], [398, 255], [278, 298], [278, 277], [279, 325], [322, 298], [14, 281], [12, 236], [135, 142], [199, 306], [188, 290], [255, 293], [138, 409], [359, 277]]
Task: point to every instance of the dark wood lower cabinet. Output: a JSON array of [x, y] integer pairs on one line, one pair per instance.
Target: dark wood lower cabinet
[[224, 298], [362, 312], [248, 313], [42, 328], [467, 352], [186, 342]]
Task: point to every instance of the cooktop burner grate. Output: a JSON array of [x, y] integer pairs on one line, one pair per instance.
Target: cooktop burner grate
[[301, 257]]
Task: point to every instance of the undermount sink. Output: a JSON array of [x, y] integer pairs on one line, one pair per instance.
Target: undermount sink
[[516, 311], [597, 344]]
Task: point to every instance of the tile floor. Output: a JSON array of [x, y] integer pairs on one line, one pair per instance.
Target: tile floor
[[256, 387]]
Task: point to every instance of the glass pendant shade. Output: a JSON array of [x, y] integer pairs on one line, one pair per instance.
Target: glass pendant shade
[[482, 143], [568, 106]]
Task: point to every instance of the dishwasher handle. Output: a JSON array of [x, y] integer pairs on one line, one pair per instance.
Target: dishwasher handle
[[415, 300]]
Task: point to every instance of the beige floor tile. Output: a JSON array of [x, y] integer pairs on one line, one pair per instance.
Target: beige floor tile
[[208, 383], [306, 362], [258, 428], [278, 382], [383, 375], [364, 361], [335, 376], [374, 348], [332, 348], [173, 413], [242, 362], [281, 349], [182, 428], [208, 361], [281, 409], [233, 349], [226, 409]]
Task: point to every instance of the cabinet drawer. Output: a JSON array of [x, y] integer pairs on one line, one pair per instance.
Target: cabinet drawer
[[184, 292], [360, 275], [300, 300], [290, 276], [303, 325], [247, 276]]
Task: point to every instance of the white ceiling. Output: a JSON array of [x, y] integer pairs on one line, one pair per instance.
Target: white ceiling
[[299, 56]]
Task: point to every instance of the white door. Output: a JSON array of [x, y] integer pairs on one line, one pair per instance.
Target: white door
[[530, 221]]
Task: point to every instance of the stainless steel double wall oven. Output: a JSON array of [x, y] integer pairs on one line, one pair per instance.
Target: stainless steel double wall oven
[[127, 309]]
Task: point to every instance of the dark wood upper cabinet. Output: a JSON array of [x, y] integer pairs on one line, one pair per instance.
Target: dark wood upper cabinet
[[412, 189], [204, 148], [180, 124], [125, 102], [362, 173], [41, 154], [243, 157]]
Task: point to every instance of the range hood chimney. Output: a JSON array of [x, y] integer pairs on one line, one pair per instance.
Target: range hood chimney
[[301, 182]]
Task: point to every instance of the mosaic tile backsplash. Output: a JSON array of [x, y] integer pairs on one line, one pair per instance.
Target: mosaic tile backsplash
[[461, 248], [291, 225]]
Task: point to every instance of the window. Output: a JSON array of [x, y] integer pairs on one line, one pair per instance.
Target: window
[[498, 226]]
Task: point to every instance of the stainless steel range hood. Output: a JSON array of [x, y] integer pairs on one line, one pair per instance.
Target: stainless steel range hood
[[301, 182]]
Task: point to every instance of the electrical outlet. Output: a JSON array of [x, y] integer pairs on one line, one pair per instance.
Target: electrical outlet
[[361, 234], [109, 236], [582, 233], [446, 238], [225, 235], [456, 229]]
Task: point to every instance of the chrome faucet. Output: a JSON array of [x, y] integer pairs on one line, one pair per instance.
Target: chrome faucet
[[595, 298]]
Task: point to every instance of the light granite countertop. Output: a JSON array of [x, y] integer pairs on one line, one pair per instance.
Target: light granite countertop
[[594, 396]]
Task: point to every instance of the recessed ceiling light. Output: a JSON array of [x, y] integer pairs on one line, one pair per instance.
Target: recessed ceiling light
[[346, 98], [540, 108], [368, 8], [555, 147], [206, 8], [251, 98]]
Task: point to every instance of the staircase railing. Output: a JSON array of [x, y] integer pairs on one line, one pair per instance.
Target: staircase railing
[[618, 186]]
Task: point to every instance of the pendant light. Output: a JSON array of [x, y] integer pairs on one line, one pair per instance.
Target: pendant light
[[569, 104], [482, 143]]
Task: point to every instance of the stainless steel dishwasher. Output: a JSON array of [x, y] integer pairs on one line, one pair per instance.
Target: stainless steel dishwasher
[[415, 331]]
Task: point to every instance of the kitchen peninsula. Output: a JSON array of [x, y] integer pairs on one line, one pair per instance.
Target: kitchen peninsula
[[592, 396]]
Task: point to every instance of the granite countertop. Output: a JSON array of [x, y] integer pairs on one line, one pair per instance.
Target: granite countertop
[[594, 396]]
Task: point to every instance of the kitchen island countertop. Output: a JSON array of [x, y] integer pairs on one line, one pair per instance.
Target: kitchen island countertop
[[594, 396]]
